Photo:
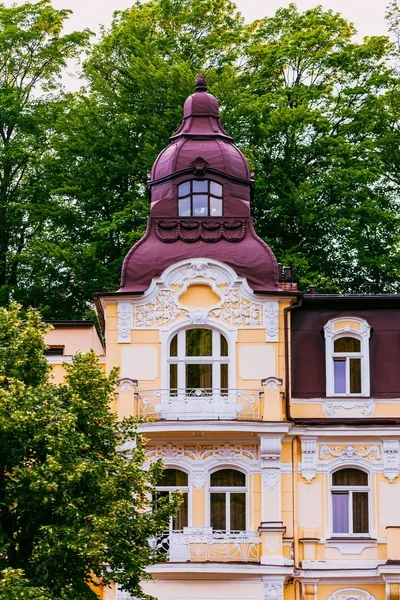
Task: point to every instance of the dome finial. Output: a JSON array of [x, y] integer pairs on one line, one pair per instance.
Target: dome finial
[[201, 84]]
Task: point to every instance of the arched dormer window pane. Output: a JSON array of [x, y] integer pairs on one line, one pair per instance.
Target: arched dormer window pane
[[200, 198], [347, 344], [198, 359]]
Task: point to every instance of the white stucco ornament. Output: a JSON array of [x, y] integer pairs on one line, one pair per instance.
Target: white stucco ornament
[[272, 590], [351, 594]]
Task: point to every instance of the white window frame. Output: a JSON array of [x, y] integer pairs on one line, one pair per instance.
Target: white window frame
[[333, 331], [185, 489], [228, 490], [350, 490], [216, 359]]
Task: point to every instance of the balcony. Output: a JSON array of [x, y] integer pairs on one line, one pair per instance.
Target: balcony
[[200, 404], [202, 544]]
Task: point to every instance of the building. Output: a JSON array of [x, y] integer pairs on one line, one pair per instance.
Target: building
[[277, 413]]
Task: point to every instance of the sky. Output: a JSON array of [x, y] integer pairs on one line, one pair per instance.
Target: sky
[[367, 15]]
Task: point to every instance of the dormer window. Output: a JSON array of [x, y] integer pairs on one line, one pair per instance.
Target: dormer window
[[347, 357], [200, 198]]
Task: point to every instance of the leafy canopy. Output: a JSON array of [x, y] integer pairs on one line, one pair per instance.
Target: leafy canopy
[[74, 507]]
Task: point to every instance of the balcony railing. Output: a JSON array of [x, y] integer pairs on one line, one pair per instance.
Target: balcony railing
[[192, 404], [201, 546]]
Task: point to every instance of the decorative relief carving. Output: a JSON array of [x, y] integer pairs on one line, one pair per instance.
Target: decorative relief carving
[[270, 455], [354, 452], [271, 478], [272, 590], [125, 310], [200, 453], [391, 461], [351, 594], [198, 316], [271, 311], [195, 230], [356, 409], [309, 458], [162, 310], [237, 310], [198, 480]]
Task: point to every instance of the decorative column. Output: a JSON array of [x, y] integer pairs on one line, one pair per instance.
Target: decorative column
[[271, 528], [309, 458], [272, 405], [127, 405], [309, 591]]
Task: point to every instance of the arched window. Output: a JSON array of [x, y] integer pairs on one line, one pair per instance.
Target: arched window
[[347, 357], [200, 198], [350, 502], [198, 359], [228, 500], [174, 480]]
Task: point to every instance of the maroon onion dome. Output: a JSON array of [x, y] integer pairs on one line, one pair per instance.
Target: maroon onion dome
[[200, 188]]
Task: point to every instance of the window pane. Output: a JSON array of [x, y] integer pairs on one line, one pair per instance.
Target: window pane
[[215, 207], [238, 511], [360, 512], [339, 376], [184, 189], [199, 342], [218, 511], [350, 477], [340, 512], [355, 375], [200, 186], [181, 519], [173, 478], [228, 478], [347, 344], [199, 376], [173, 348], [184, 207], [54, 351], [200, 206], [224, 377], [215, 188], [224, 346], [173, 377]]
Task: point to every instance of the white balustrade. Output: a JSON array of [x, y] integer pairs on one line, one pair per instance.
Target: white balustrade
[[200, 545], [191, 404]]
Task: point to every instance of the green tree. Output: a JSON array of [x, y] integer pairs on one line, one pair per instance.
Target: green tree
[[75, 507], [139, 76], [310, 115], [33, 53]]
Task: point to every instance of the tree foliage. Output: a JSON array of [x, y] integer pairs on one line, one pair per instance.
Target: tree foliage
[[315, 112], [75, 506]]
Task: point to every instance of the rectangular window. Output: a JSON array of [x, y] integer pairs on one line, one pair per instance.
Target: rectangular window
[[184, 207], [340, 512], [339, 375], [199, 342], [238, 511], [173, 376], [54, 351], [218, 511], [355, 375], [181, 519], [198, 376], [200, 205], [215, 207], [360, 512]]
